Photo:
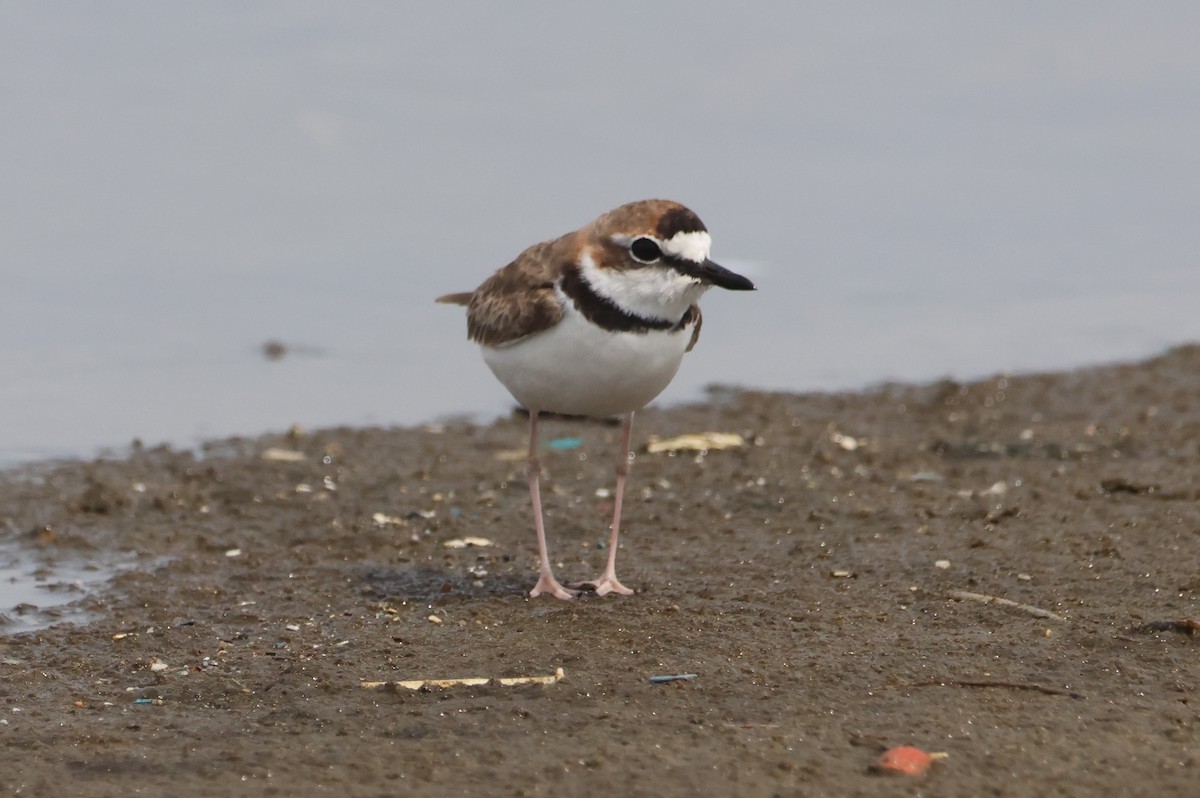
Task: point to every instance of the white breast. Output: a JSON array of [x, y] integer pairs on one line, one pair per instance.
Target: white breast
[[577, 368]]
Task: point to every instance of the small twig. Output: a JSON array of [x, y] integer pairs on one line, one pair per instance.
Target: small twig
[[750, 725], [418, 684], [676, 677], [1037, 688], [982, 598]]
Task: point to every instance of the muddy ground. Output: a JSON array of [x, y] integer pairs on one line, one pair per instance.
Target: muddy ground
[[809, 579]]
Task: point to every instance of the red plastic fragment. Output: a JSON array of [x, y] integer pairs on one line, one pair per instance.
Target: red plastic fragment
[[904, 760]]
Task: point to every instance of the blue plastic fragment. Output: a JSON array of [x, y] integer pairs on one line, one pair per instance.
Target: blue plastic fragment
[[562, 444]]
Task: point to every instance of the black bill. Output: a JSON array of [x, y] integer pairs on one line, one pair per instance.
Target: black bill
[[716, 274]]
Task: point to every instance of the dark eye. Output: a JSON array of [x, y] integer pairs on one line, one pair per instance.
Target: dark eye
[[645, 250]]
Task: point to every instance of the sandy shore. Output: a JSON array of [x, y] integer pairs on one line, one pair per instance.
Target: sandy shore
[[830, 583]]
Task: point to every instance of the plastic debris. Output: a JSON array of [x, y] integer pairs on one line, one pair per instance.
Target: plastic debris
[[275, 454], [695, 442], [418, 684], [382, 519], [905, 760], [563, 444], [233, 553], [678, 677], [462, 543], [847, 442]]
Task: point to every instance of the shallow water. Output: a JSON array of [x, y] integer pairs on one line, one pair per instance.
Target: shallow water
[[943, 189], [37, 590]]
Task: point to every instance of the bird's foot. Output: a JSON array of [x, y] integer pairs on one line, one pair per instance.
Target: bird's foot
[[608, 584], [548, 584]]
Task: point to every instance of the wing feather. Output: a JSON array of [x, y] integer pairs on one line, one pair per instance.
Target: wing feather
[[519, 300]]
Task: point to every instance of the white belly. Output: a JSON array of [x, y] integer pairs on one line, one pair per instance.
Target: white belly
[[577, 368]]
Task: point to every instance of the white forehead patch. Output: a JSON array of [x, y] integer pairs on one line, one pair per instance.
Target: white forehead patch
[[693, 246]]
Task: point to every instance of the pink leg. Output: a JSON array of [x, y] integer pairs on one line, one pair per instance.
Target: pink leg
[[546, 582], [608, 583]]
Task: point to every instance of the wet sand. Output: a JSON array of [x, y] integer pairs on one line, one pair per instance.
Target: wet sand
[[828, 583]]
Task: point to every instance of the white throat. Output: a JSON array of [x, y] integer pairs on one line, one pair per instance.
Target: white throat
[[651, 292]]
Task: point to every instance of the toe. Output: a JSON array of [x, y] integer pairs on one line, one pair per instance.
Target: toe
[[606, 586], [550, 585]]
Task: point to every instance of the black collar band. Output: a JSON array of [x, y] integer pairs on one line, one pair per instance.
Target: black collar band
[[604, 313]]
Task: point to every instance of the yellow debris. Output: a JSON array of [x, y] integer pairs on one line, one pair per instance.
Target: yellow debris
[[695, 442], [282, 455], [462, 543]]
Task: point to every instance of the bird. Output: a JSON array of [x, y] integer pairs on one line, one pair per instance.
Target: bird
[[595, 323]]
